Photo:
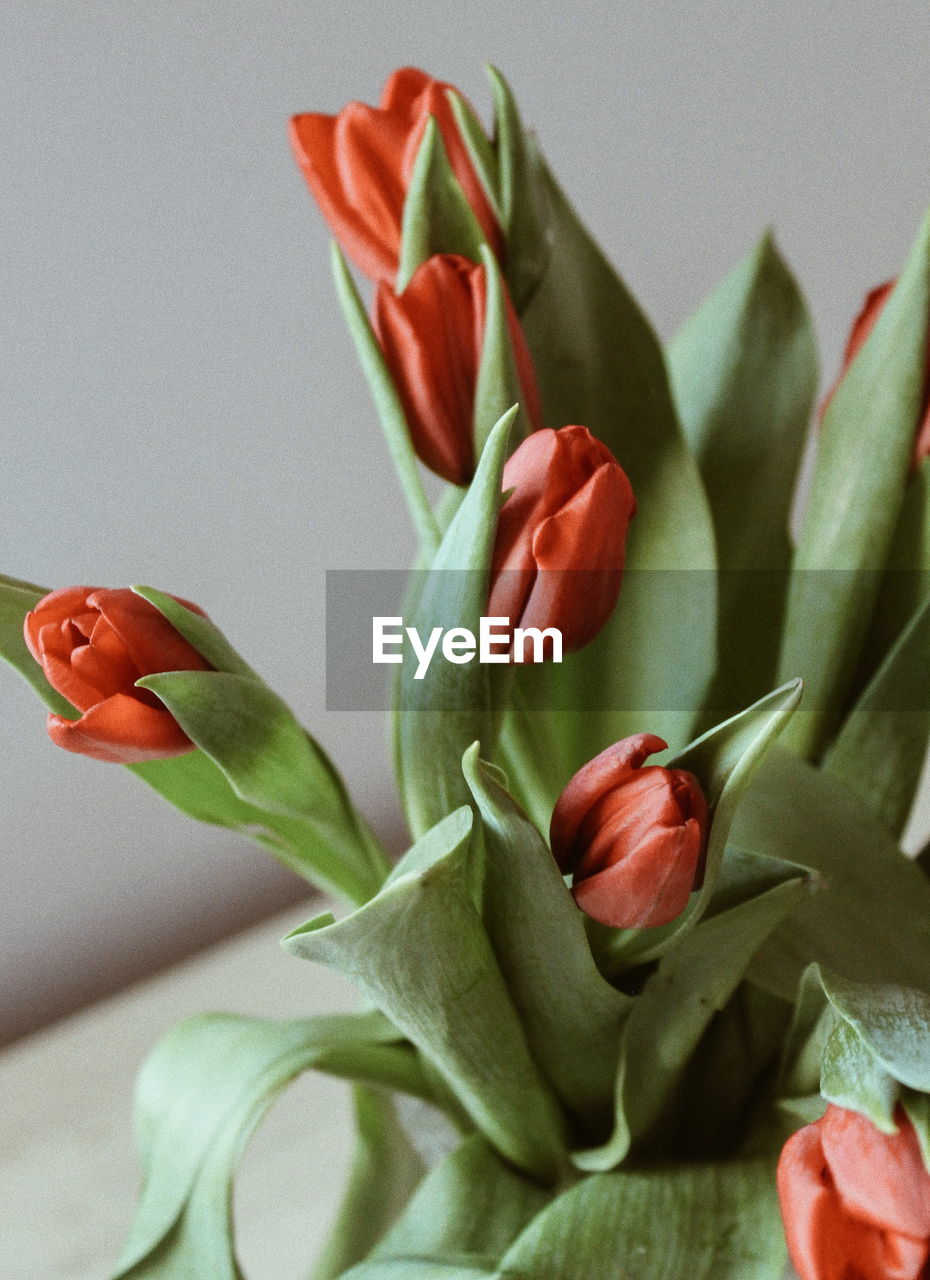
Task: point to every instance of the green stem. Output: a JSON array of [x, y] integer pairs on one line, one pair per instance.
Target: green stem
[[530, 758]]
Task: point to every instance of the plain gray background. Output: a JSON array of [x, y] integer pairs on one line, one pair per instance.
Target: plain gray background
[[180, 404]]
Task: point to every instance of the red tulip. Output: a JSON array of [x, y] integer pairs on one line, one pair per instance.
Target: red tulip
[[93, 645], [432, 335], [862, 326], [561, 535], [359, 164], [632, 837], [855, 1202]]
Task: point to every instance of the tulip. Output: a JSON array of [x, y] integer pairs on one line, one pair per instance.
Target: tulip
[[93, 645], [632, 837], [855, 1202], [432, 335], [358, 165], [561, 535], [862, 326]]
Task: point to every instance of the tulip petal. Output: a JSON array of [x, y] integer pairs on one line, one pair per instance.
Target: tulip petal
[[819, 1238], [316, 141], [579, 554], [431, 336], [121, 730], [565, 523], [599, 776], [151, 641], [55, 608], [104, 664], [648, 887], [880, 1177], [824, 1240], [62, 676], [620, 820]]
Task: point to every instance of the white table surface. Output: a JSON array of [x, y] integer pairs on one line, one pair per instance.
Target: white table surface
[[68, 1171]]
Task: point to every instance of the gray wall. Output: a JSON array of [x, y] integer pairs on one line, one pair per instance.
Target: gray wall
[[178, 392]]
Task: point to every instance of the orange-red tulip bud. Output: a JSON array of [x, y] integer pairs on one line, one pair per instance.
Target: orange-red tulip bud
[[561, 535], [432, 335], [632, 837], [855, 1202], [358, 165], [862, 326], [93, 645]]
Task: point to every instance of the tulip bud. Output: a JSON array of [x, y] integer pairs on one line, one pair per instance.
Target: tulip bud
[[561, 535], [358, 165], [93, 645], [432, 335], [862, 326], [855, 1202], [633, 838]]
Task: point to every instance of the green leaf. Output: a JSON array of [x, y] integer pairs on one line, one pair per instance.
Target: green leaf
[[480, 150], [529, 748], [722, 1107], [200, 789], [200, 1096], [745, 875], [856, 496], [470, 1207], [724, 760], [17, 598], [802, 1051], [438, 716], [252, 735], [693, 980], [852, 1077], [906, 581], [448, 997], [868, 916], [267, 759], [744, 374], [437, 215], [523, 196], [498, 384], [917, 1109], [701, 1220], [204, 635], [388, 405], [599, 364], [385, 1171], [880, 749], [273, 764], [452, 832], [892, 1020], [414, 1269], [571, 1015]]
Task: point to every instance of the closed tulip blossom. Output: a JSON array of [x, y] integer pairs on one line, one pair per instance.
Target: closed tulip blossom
[[359, 163], [855, 1201], [632, 837], [432, 335], [560, 545], [93, 645], [862, 326]]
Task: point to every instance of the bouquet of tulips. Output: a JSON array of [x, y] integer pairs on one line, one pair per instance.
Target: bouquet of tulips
[[649, 993]]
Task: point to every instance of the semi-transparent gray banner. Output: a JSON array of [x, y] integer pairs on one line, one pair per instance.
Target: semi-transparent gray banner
[[676, 637]]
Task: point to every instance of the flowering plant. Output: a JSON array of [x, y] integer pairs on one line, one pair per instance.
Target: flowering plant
[[625, 1012]]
